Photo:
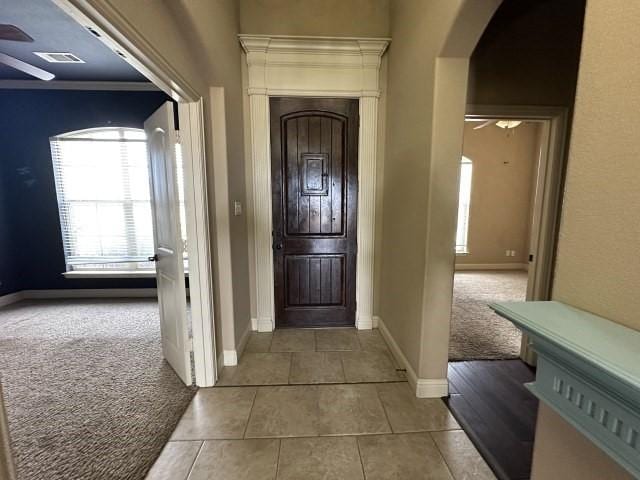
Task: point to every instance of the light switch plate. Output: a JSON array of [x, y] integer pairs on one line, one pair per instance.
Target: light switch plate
[[237, 208]]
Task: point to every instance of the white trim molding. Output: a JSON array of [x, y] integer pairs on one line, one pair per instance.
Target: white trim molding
[[230, 358], [424, 387], [78, 85], [491, 266], [313, 67], [10, 298], [78, 293]]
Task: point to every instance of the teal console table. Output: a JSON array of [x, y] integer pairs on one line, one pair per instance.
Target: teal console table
[[588, 371]]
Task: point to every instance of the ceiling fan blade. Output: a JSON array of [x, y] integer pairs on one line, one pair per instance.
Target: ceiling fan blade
[[13, 33], [26, 68], [485, 124]]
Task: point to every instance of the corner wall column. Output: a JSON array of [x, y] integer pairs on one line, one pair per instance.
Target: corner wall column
[[261, 164], [366, 209]]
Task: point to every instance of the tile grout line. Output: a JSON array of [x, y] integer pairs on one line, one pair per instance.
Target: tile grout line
[[444, 459], [253, 402], [290, 368], [364, 473], [384, 409], [278, 459], [193, 464]]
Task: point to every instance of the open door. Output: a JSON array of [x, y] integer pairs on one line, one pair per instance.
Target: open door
[[169, 247]]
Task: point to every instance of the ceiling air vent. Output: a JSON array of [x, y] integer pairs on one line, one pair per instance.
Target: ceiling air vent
[[59, 57]]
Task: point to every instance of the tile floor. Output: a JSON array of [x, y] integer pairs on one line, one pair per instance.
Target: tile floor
[[317, 404]]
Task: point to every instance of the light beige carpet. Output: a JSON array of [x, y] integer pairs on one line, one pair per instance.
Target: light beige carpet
[[476, 332], [87, 391]]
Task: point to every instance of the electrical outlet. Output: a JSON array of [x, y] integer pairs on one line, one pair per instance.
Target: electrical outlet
[[513, 253], [507, 253]]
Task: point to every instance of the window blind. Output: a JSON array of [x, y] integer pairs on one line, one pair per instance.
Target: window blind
[[464, 205], [102, 183]]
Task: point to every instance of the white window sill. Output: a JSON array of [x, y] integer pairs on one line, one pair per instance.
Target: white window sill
[[462, 254], [112, 274]]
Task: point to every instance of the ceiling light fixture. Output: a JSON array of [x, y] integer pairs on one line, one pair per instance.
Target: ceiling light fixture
[[508, 123]]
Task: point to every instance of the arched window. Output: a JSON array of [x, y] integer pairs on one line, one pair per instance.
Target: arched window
[[102, 183], [464, 204]]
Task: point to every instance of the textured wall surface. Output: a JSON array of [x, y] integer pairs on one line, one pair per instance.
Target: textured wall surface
[[504, 164], [582, 461], [29, 118], [598, 264], [339, 18]]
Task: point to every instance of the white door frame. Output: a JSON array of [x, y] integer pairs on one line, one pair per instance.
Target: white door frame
[[548, 196], [118, 34], [313, 67]]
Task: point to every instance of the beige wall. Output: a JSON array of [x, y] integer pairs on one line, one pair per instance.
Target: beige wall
[[598, 266], [417, 36], [425, 112], [213, 29], [561, 452], [504, 163], [339, 18]]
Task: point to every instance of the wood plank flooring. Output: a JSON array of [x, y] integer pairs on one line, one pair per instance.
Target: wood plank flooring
[[497, 412]]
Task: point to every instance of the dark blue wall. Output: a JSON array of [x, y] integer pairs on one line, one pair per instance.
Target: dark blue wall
[[31, 252]]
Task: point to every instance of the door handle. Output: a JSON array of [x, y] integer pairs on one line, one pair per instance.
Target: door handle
[[153, 259], [278, 246]]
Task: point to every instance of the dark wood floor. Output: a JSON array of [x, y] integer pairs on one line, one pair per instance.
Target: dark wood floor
[[498, 413]]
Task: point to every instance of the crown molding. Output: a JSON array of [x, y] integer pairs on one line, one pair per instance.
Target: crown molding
[[78, 85], [314, 45]]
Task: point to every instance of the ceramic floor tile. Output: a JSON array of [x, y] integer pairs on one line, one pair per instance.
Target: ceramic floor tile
[[320, 458], [350, 410], [339, 339], [289, 411], [369, 367], [216, 413], [401, 457], [316, 367], [237, 460], [258, 369], [293, 340], [175, 461], [259, 342], [410, 414], [461, 456], [371, 340]]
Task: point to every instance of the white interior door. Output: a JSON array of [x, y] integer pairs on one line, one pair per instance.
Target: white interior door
[[161, 141]]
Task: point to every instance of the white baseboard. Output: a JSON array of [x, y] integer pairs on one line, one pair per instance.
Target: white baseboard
[[491, 266], [254, 324], [424, 387], [265, 325], [376, 321], [229, 358], [364, 322], [92, 293], [10, 298], [432, 388], [79, 293]]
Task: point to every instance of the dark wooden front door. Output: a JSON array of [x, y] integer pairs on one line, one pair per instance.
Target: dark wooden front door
[[314, 162]]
